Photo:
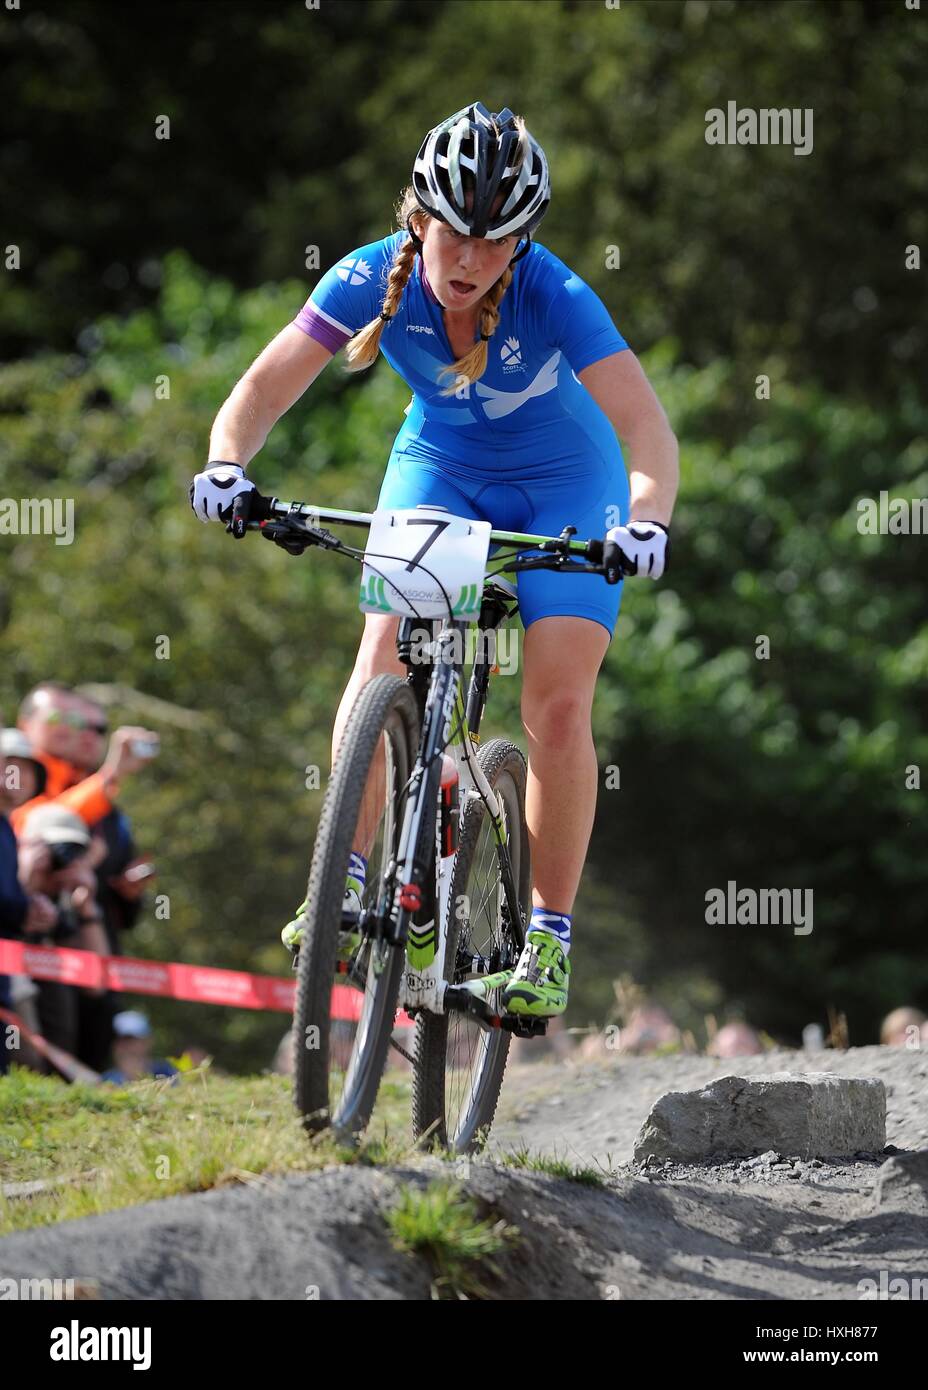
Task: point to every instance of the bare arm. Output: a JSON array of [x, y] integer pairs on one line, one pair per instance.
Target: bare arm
[[275, 380], [620, 388]]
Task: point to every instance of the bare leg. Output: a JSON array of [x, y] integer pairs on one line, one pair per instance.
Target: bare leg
[[560, 803]]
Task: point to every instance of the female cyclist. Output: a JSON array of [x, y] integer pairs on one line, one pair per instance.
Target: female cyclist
[[520, 384]]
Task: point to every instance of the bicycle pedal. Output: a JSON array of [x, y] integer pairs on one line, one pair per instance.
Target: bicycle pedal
[[521, 1026]]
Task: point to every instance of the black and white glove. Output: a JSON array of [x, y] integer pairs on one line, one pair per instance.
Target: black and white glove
[[644, 547], [213, 491]]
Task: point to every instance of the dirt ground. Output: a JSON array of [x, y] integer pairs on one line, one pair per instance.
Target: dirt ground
[[734, 1229]]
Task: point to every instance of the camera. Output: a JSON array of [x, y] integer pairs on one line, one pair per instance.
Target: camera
[[145, 747]]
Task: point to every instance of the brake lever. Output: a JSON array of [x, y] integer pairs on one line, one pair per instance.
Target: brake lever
[[297, 539], [294, 542]]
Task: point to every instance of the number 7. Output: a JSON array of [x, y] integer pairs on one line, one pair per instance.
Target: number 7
[[438, 527]]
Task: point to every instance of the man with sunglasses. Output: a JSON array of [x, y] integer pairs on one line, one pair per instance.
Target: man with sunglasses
[[54, 718]]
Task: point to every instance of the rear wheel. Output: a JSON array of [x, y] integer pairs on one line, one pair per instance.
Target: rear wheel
[[338, 1062], [459, 1065]]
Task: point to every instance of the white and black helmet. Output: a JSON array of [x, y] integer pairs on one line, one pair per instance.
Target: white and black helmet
[[486, 145]]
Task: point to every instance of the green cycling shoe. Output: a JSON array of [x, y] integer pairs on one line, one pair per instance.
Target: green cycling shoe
[[538, 987], [348, 941]]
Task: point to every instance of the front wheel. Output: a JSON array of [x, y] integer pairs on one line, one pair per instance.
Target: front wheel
[[459, 1065], [338, 1062]]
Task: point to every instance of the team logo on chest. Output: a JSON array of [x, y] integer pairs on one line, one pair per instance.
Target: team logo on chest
[[510, 355]]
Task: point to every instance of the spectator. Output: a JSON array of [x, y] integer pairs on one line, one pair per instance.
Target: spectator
[[20, 914], [902, 1025], [43, 719], [735, 1040], [649, 1027], [55, 863], [132, 1057], [68, 732], [53, 718], [121, 877], [23, 773]]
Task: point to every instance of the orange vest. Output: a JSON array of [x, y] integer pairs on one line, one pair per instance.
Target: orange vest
[[68, 785]]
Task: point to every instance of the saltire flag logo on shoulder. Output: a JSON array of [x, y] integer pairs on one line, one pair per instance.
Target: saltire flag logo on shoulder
[[354, 271]]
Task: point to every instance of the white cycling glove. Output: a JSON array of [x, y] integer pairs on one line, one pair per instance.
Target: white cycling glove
[[213, 491], [645, 546]]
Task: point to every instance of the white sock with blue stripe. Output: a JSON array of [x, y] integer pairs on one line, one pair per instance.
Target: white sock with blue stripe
[[557, 923], [357, 868]]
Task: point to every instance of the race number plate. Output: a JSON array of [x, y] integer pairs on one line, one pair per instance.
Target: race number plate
[[415, 553]]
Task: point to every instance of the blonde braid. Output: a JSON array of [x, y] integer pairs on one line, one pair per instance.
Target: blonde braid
[[361, 350]]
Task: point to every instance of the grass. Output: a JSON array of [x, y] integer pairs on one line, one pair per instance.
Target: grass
[[98, 1148], [557, 1167], [443, 1226]]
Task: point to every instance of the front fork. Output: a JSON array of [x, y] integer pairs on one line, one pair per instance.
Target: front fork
[[422, 896]]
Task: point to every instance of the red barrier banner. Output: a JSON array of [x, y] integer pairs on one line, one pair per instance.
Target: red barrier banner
[[203, 984]]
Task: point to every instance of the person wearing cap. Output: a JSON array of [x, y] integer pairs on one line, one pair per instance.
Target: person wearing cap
[[22, 775], [132, 1059], [55, 854]]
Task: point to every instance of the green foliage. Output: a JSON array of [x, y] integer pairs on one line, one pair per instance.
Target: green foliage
[[293, 128], [788, 771], [442, 1225]]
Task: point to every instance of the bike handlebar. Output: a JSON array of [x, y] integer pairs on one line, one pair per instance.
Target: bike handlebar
[[297, 525]]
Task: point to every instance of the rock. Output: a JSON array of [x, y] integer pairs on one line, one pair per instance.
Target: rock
[[902, 1184], [806, 1113]]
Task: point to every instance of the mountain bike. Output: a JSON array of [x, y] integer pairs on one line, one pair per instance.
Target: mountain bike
[[440, 819]]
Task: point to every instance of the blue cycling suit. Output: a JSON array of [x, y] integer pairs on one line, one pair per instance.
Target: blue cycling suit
[[526, 447]]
